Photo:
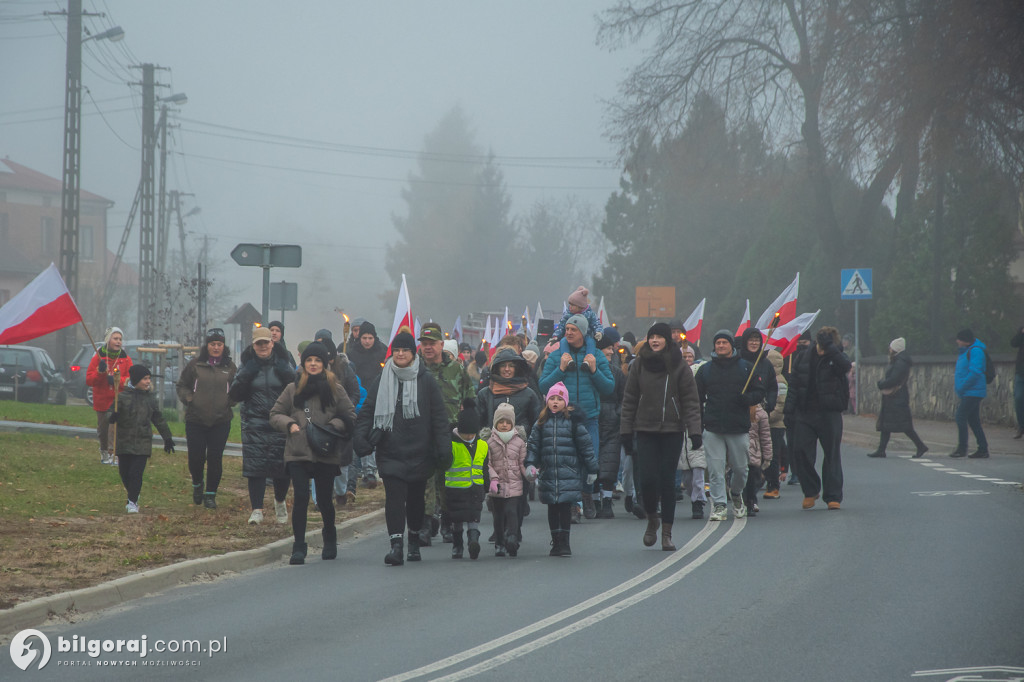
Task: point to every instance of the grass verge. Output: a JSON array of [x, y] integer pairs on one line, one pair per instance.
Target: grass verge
[[64, 525]]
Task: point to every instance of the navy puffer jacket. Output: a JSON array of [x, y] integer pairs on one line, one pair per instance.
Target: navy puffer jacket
[[563, 451], [257, 386]]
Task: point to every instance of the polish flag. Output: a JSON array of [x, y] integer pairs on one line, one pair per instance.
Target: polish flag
[[417, 327], [784, 338], [527, 322], [784, 305], [457, 329], [745, 322], [44, 306], [602, 315], [694, 322], [487, 333], [403, 314], [506, 326]]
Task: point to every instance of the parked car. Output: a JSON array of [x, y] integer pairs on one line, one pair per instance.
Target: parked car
[[27, 374], [77, 369]]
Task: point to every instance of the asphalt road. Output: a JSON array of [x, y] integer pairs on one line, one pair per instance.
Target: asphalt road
[[917, 577]]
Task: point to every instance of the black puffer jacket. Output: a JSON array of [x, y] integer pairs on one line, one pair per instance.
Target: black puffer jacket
[[719, 385], [895, 415], [414, 448], [137, 414], [561, 448], [257, 386], [367, 363], [609, 421], [819, 382], [524, 401], [764, 369]]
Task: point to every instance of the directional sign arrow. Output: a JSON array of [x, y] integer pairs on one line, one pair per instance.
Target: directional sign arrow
[[248, 254]]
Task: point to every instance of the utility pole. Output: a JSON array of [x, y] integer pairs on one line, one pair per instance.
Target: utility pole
[[147, 286], [162, 217]]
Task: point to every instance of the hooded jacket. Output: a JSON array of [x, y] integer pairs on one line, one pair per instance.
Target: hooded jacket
[[720, 384], [759, 447], [819, 383], [137, 414], [895, 415], [103, 383], [203, 390], [969, 379], [563, 451], [763, 367], [367, 363], [524, 401], [506, 463], [257, 386]]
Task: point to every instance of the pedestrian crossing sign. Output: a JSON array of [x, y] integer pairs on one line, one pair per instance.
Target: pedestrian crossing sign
[[855, 284]]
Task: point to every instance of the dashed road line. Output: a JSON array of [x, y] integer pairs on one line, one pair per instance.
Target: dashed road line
[[939, 466]]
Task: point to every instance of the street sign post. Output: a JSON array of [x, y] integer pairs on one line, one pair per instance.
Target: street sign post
[[855, 285], [267, 256], [284, 296]]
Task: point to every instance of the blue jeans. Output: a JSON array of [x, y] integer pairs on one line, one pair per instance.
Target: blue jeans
[[968, 413], [1018, 398]]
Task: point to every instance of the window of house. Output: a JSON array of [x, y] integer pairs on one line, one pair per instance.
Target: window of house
[[85, 242]]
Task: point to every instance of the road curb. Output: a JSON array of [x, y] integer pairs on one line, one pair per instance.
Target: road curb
[[38, 611]]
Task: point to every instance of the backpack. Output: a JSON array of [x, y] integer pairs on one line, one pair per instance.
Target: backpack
[[990, 368]]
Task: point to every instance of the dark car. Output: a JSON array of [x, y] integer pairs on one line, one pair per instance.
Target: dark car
[[27, 374], [77, 369]]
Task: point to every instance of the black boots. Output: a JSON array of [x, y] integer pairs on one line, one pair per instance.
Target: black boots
[[330, 550], [446, 530], [560, 543], [697, 510], [425, 532], [298, 554], [456, 540], [511, 543], [209, 500], [197, 493], [414, 546], [589, 512], [473, 540], [605, 512], [394, 557]]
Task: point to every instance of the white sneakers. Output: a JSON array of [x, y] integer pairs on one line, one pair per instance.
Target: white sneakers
[[256, 517], [132, 507], [106, 457], [739, 510], [281, 511], [719, 513]]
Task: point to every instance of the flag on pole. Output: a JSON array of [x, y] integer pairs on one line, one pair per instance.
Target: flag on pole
[[745, 322], [506, 326], [602, 315], [417, 327], [486, 338], [785, 337], [785, 305], [44, 306], [527, 322], [539, 314], [457, 329], [403, 313], [694, 323]]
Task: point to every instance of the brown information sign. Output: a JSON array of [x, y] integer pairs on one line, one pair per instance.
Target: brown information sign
[[655, 301]]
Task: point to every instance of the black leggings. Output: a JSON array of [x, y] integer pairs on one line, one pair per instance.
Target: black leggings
[[560, 515], [206, 451], [403, 502], [323, 479], [506, 517], [659, 455], [258, 488], [131, 468]]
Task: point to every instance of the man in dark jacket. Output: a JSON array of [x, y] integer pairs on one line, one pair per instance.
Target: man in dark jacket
[[726, 416], [819, 393], [750, 347], [368, 355]]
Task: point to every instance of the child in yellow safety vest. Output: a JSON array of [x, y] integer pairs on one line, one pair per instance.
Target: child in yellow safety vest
[[466, 481]]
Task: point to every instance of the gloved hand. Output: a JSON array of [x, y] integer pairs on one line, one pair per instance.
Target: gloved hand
[[591, 478], [168, 445], [532, 472], [696, 441], [493, 488], [113, 418], [102, 366]]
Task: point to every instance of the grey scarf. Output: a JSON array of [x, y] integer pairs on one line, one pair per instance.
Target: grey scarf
[[387, 393]]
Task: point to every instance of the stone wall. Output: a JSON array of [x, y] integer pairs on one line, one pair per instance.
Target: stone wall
[[931, 388]]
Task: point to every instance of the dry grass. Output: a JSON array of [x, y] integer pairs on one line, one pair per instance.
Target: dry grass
[[64, 526]]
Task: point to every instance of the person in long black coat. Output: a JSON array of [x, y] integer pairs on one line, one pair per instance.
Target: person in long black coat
[[895, 415]]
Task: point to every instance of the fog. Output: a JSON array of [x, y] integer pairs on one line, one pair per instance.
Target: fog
[[303, 121]]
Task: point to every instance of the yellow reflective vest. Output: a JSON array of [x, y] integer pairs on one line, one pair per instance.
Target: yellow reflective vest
[[466, 469]]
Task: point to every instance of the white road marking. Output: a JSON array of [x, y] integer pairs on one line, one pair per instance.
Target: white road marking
[[661, 566], [973, 475], [1007, 482], [930, 464]]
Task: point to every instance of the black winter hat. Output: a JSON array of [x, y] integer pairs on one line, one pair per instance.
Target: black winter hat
[[677, 324], [630, 337], [137, 373], [480, 357], [367, 328], [278, 324], [609, 338], [403, 340], [724, 334], [316, 349], [325, 337], [660, 329], [469, 418], [965, 335]]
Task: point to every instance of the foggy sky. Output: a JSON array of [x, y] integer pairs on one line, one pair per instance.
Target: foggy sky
[[375, 74]]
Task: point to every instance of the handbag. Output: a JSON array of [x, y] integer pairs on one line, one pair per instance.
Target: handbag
[[322, 440]]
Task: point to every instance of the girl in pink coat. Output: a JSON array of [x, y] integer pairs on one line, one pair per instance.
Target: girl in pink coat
[[506, 452]]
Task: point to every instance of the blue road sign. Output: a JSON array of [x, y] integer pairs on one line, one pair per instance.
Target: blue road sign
[[855, 284]]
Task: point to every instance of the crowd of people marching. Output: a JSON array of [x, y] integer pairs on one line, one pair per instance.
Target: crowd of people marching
[[577, 421]]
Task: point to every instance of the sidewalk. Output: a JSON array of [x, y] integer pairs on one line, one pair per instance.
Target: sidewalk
[[939, 436]]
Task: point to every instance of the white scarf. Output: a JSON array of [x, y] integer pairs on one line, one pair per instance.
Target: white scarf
[[387, 393]]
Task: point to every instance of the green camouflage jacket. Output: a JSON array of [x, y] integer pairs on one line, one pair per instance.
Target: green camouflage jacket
[[455, 384]]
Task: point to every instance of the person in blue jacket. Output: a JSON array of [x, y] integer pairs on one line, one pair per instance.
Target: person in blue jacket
[[587, 377], [969, 383]]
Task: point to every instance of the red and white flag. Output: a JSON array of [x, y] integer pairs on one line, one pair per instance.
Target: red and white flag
[[457, 329], [602, 315], [487, 333], [506, 327], [694, 322], [745, 322], [784, 305], [527, 322], [403, 313], [44, 306], [785, 337]]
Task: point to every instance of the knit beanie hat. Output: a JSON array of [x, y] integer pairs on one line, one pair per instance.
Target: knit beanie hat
[[278, 324], [724, 334], [558, 389], [630, 337], [965, 335], [580, 298], [137, 373], [316, 349], [214, 335], [504, 411], [469, 418], [660, 329], [367, 328], [480, 358], [110, 332], [579, 322], [898, 345], [677, 324], [403, 340], [530, 356]]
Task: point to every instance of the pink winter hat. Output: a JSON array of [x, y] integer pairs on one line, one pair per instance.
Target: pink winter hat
[[580, 297], [560, 390]]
